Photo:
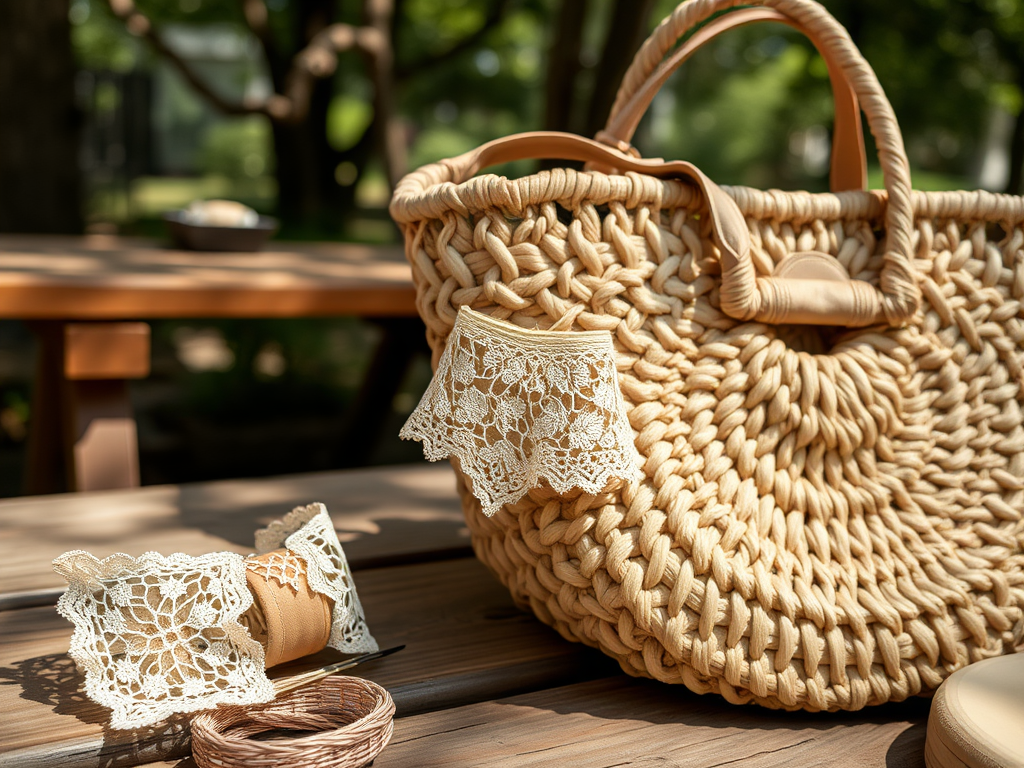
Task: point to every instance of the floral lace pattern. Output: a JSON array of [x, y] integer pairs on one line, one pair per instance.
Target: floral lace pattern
[[309, 533], [158, 635], [516, 407]]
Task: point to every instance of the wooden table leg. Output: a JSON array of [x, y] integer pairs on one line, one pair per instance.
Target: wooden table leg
[[102, 439], [83, 434], [44, 467]]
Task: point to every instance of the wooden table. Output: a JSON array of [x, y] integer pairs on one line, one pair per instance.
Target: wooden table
[[479, 683], [84, 297]]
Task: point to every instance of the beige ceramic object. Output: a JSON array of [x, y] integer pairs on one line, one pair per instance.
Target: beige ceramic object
[[977, 717]]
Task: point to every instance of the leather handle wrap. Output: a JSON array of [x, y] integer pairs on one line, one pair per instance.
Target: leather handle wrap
[[900, 294], [795, 301], [849, 159]]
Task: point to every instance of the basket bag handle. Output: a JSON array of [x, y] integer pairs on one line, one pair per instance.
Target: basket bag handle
[[806, 288], [849, 159], [786, 297], [430, 191]]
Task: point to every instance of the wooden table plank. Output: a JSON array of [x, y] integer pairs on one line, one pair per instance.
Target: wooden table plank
[[625, 722], [381, 515], [113, 278], [465, 641]]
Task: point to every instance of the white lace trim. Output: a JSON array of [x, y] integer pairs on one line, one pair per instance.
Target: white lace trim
[[284, 567], [309, 533], [516, 407], [156, 636]]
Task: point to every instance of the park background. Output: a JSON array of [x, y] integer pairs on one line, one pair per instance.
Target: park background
[[114, 112]]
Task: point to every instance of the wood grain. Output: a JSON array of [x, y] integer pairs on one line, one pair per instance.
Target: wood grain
[[624, 722], [382, 515], [100, 277], [465, 641], [617, 722]]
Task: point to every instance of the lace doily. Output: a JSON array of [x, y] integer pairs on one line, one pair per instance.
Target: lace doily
[[158, 635], [309, 533], [516, 406]]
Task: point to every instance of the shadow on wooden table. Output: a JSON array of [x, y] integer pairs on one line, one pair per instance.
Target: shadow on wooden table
[[645, 722], [594, 719], [418, 523], [54, 680]]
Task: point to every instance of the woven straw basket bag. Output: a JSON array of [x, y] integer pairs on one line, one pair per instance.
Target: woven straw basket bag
[[826, 391]]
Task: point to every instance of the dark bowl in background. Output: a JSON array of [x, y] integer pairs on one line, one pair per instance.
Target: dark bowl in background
[[195, 237]]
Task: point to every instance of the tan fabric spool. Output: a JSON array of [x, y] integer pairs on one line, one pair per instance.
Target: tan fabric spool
[[287, 618]]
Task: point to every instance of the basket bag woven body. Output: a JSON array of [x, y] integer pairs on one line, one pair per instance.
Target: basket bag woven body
[[826, 391]]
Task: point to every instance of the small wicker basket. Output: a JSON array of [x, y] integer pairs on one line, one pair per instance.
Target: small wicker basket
[[352, 719]]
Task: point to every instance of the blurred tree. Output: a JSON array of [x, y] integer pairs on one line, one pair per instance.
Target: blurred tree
[[752, 108], [39, 125], [301, 43], [576, 99], [948, 66]]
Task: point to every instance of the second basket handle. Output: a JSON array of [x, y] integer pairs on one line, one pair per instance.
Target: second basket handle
[[849, 160], [744, 295]]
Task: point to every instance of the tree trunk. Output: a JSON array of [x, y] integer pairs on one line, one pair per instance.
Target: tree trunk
[[305, 161], [564, 66], [307, 193], [627, 29], [39, 123]]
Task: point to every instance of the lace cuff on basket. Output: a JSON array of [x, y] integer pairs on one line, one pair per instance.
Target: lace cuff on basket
[[516, 407], [156, 636]]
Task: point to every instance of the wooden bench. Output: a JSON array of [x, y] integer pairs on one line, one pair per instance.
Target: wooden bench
[[479, 683]]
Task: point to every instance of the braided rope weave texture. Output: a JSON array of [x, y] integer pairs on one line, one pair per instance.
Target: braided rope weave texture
[[828, 520]]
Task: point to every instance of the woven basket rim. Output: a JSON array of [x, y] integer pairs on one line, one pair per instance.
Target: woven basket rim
[[416, 201]]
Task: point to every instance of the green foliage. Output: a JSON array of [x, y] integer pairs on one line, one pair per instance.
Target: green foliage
[[237, 149], [101, 41], [478, 95], [348, 118], [318, 368], [741, 109], [946, 66], [432, 26]]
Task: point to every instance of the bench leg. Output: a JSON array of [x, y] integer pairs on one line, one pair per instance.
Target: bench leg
[[103, 440]]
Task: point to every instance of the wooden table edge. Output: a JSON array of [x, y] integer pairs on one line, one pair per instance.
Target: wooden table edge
[[370, 299]]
